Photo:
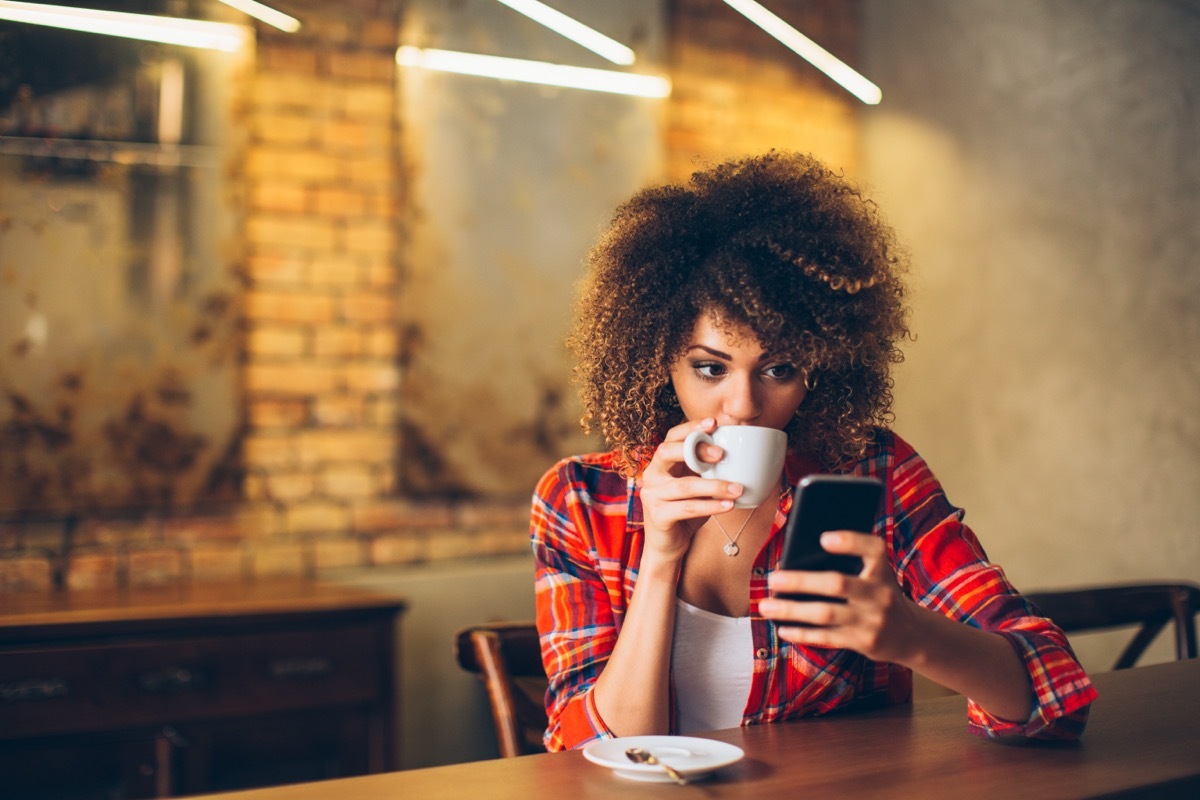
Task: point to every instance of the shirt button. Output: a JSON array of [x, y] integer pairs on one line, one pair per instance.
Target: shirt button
[[761, 653]]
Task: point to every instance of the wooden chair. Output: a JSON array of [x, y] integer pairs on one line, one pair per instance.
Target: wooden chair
[[507, 658], [1148, 606]]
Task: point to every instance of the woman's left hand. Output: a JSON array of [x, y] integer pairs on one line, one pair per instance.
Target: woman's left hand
[[876, 619]]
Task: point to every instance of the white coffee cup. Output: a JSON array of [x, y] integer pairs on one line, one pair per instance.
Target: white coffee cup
[[753, 457]]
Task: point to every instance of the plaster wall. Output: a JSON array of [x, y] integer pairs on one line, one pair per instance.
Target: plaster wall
[[510, 183], [1039, 160]]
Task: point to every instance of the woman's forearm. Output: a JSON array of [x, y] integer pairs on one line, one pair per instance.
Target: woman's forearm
[[982, 666], [632, 694]]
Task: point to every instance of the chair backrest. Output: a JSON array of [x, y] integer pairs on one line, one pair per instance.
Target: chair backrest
[[1148, 606], [507, 658]]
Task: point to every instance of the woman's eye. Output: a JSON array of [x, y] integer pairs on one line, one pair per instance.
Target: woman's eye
[[781, 372], [709, 369]]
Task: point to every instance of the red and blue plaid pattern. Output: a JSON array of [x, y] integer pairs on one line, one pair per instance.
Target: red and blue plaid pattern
[[587, 541]]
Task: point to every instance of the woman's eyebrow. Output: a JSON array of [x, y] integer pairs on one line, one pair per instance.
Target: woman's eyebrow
[[710, 351], [722, 355]]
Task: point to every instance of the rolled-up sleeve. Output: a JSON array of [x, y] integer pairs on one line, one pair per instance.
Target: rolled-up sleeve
[[1062, 691], [575, 617], [942, 566]]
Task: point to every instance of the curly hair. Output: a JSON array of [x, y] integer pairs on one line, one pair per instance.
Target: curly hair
[[778, 244]]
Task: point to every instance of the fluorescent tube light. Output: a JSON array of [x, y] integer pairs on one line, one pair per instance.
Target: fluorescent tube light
[[169, 30], [515, 69], [809, 50], [572, 29], [265, 14]]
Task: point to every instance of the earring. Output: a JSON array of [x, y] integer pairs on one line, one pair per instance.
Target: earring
[[810, 380]]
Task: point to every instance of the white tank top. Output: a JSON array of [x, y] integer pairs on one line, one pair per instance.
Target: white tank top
[[712, 663]]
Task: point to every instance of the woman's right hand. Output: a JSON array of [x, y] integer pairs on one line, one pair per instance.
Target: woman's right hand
[[672, 494]]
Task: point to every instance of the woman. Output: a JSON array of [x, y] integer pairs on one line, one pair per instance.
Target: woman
[[764, 292]]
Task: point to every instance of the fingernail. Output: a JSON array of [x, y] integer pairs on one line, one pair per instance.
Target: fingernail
[[829, 537], [736, 489]]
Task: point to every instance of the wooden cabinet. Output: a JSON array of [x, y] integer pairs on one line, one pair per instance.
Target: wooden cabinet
[[210, 688]]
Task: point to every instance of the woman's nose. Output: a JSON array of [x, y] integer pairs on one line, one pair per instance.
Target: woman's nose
[[741, 404]]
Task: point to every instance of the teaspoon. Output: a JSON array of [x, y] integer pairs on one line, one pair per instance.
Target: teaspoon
[[642, 756]]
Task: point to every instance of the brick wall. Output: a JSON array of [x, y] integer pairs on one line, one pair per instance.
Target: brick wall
[[735, 90], [321, 238], [321, 186]]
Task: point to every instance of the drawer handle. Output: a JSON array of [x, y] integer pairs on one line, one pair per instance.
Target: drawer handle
[[293, 669], [172, 680], [33, 689]]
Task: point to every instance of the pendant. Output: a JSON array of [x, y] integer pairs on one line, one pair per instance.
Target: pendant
[[731, 549]]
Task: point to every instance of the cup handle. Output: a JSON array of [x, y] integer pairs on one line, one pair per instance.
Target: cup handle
[[689, 452]]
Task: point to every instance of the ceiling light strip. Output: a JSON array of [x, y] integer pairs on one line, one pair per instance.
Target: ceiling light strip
[[266, 14], [572, 29], [809, 50], [168, 30], [515, 69]]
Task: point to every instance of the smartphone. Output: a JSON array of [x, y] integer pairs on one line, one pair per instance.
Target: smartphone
[[828, 503]]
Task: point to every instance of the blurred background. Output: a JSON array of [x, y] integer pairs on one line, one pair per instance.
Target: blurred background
[[296, 307]]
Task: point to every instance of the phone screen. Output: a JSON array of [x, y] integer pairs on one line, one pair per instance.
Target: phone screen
[[828, 503]]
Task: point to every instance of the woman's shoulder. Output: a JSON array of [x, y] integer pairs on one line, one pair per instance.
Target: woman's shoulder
[[892, 443], [888, 452], [600, 475]]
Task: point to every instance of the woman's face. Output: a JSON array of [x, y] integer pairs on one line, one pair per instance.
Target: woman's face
[[729, 377]]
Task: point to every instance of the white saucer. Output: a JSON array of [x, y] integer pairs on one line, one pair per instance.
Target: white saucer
[[692, 757]]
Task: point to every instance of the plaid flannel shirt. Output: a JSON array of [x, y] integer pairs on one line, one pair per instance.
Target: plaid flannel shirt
[[587, 539]]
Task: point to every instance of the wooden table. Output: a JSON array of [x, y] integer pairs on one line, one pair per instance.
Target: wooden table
[[1143, 741]]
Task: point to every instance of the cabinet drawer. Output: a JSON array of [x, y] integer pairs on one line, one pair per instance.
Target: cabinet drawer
[[134, 682]]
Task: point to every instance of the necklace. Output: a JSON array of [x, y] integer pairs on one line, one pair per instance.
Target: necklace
[[731, 549]]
